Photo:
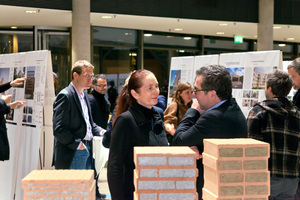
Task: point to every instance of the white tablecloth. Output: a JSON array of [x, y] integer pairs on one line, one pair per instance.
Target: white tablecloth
[[100, 153]]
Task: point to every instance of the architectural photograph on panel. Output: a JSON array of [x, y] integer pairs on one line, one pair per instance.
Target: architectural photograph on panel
[[237, 77], [174, 81]]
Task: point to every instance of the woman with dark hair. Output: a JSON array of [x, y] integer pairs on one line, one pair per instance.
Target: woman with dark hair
[[182, 101], [137, 124]]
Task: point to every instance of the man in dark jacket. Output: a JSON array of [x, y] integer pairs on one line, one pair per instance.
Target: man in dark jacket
[[99, 105], [277, 122], [215, 114], [73, 124], [5, 107]]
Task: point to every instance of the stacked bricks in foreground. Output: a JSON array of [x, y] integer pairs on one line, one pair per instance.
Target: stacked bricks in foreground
[[59, 185], [236, 169], [164, 173]]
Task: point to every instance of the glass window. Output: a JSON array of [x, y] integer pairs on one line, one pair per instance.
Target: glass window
[[114, 60], [114, 36], [284, 47], [225, 44], [158, 61], [168, 40], [14, 42]]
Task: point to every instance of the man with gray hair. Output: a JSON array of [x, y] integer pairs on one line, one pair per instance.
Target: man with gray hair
[[73, 124], [215, 114], [277, 122]]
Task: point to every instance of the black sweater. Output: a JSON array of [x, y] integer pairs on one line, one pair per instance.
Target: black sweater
[[139, 126]]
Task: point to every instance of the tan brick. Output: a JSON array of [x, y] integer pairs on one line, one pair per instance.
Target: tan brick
[[256, 151], [231, 152], [231, 177], [231, 190], [230, 165], [207, 195], [257, 177], [257, 190], [212, 146], [255, 164]]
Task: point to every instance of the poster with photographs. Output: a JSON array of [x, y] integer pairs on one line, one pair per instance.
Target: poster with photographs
[[181, 70], [248, 72], [24, 125]]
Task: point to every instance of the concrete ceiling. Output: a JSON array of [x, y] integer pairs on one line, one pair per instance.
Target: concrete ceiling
[[17, 16]]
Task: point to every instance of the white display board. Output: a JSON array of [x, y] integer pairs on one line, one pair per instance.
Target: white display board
[[181, 70], [25, 125], [248, 74]]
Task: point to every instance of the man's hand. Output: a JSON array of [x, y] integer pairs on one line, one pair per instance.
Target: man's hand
[[82, 147], [6, 98], [16, 104], [170, 129], [196, 106], [17, 82], [195, 149]]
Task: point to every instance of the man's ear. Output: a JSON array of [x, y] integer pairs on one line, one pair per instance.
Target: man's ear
[[134, 94], [269, 89], [75, 75]]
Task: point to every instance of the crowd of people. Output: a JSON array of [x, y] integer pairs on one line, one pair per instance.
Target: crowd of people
[[139, 117]]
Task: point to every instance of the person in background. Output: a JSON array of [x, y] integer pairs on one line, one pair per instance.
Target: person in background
[[161, 102], [181, 102], [277, 121], [55, 83], [215, 114], [112, 93], [5, 107], [294, 71], [73, 124], [138, 125], [99, 105]]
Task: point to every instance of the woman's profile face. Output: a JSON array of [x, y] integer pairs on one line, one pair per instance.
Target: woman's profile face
[[186, 95], [148, 93]]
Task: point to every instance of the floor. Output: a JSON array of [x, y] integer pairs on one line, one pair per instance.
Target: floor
[[102, 183]]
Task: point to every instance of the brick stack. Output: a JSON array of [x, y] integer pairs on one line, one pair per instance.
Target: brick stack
[[236, 169], [59, 185], [164, 173]]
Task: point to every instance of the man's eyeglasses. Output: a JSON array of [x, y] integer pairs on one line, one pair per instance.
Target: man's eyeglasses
[[102, 86], [87, 76], [195, 90]]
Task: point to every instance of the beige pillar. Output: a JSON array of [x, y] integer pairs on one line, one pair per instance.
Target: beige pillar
[[265, 25], [81, 30]]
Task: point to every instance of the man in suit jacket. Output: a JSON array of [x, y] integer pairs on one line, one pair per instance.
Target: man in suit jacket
[[215, 114], [73, 124], [100, 106]]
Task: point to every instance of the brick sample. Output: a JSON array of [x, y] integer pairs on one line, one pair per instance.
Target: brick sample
[[163, 173], [59, 185], [236, 169]]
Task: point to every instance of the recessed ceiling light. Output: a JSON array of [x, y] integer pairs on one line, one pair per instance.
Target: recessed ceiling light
[[178, 29], [223, 24], [220, 33], [106, 17], [147, 34], [187, 38], [170, 36], [281, 45], [277, 27], [14, 27], [30, 11], [289, 39]]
